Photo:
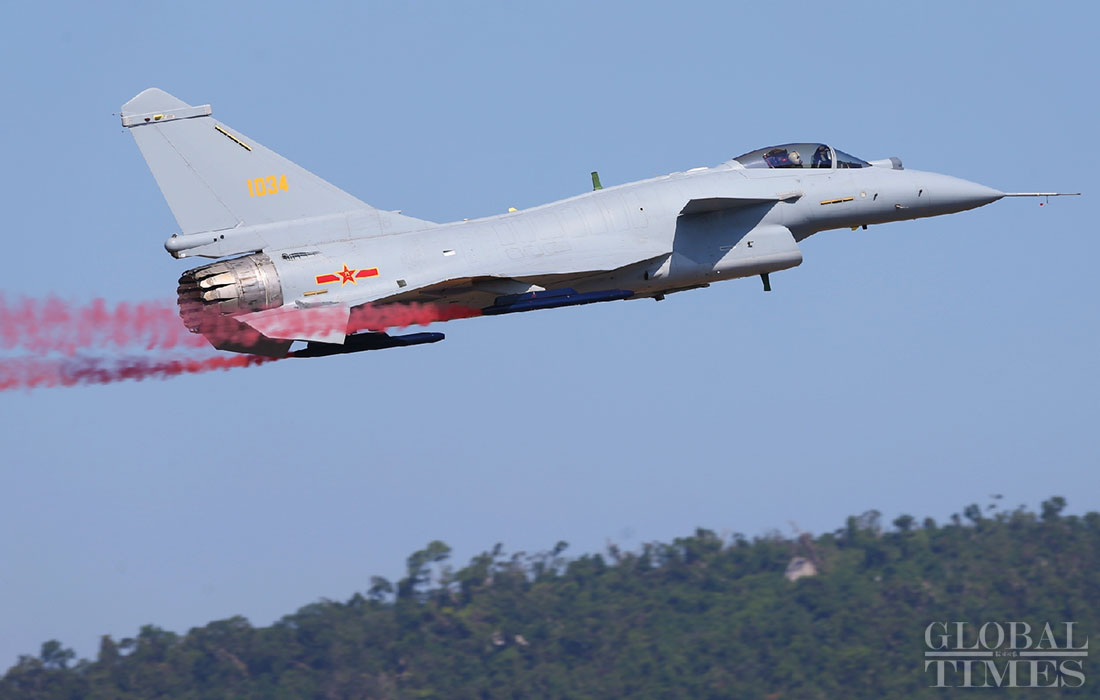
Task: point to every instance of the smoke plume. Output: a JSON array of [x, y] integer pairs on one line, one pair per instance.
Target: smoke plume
[[53, 325], [51, 342], [32, 373]]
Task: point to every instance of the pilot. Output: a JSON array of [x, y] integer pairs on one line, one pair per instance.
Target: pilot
[[822, 157], [795, 159]]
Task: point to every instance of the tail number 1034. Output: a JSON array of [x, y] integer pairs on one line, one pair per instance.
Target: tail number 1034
[[258, 187]]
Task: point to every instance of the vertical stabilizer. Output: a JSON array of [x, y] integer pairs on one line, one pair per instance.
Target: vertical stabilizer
[[214, 177]]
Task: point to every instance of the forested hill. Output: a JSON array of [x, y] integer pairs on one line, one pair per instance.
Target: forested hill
[[701, 617]]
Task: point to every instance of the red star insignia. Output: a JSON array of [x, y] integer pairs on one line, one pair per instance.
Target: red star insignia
[[346, 276]]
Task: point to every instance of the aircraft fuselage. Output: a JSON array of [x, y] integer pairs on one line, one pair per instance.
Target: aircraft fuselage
[[634, 236], [299, 258]]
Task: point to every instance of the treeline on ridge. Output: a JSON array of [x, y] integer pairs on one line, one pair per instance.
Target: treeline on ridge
[[701, 617]]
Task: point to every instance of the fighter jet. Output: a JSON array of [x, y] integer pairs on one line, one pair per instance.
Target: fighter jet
[[301, 260]]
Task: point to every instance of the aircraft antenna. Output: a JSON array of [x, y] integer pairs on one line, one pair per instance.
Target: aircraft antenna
[[1045, 195]]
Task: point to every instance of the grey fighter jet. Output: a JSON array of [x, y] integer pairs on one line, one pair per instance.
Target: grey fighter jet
[[300, 260]]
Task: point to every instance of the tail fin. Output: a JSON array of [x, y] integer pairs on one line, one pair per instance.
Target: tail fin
[[214, 177]]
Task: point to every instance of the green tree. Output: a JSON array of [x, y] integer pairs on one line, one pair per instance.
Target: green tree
[[54, 656], [1053, 508]]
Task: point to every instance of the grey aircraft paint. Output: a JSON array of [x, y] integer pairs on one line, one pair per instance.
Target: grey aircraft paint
[[294, 242]]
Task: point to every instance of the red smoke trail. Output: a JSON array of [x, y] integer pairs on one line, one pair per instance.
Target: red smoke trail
[[383, 316], [289, 322], [47, 336], [36, 373], [53, 325]]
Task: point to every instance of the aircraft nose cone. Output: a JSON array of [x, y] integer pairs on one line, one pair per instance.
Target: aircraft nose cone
[[954, 194]]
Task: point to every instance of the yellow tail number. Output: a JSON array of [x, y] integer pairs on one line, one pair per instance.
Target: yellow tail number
[[258, 187]]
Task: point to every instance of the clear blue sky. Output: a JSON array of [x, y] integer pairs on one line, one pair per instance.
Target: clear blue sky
[[915, 367]]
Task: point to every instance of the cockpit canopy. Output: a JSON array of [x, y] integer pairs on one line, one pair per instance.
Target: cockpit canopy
[[800, 155]]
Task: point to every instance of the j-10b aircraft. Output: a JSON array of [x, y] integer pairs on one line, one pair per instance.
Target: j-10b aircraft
[[299, 258]]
